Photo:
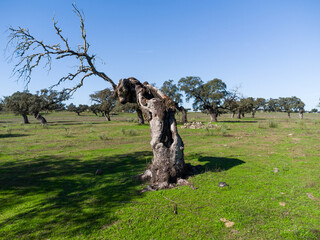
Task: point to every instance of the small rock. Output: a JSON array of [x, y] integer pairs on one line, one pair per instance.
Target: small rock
[[163, 185], [223, 184], [311, 196], [182, 182], [275, 170], [282, 204], [147, 188], [99, 172], [226, 222]]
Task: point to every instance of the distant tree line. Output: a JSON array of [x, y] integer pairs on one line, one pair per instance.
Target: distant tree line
[[25, 103], [212, 98]]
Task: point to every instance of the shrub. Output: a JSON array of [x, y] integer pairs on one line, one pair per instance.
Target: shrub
[[272, 124], [129, 132], [103, 136]]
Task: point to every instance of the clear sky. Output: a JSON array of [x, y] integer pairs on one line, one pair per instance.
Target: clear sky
[[268, 48]]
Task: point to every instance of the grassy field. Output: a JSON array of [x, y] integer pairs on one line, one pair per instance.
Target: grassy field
[[49, 190]]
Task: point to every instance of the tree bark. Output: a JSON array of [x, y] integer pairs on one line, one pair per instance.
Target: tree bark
[[168, 158], [233, 114], [253, 113], [40, 118], [289, 115], [184, 115], [301, 113], [25, 119], [242, 114], [140, 116], [213, 115], [107, 116], [239, 114]]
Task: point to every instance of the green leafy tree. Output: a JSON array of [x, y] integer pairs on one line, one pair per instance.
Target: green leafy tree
[[258, 104], [47, 100], [95, 108], [173, 91], [272, 105], [20, 104], [245, 105], [106, 101], [208, 97], [1, 105], [77, 109], [314, 110], [291, 104]]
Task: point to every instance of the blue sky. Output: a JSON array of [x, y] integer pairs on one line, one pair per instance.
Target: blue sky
[[268, 48]]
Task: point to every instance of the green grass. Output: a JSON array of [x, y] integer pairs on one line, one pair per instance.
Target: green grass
[[49, 190]]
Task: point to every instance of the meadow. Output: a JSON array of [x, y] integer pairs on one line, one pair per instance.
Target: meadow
[[49, 189]]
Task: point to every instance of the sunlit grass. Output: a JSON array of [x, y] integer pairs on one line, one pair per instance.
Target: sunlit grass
[[49, 189]]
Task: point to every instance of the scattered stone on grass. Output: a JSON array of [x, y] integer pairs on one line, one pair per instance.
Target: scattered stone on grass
[[147, 188], [223, 184], [276, 170], [312, 197], [182, 182], [200, 125], [227, 223], [282, 204]]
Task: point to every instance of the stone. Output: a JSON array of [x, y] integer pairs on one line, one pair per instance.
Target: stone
[[223, 184]]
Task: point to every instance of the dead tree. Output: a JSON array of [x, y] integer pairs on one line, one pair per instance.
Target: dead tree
[[168, 159]]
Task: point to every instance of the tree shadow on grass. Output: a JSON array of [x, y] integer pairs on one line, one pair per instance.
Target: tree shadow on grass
[[238, 121], [218, 164], [214, 164], [72, 123], [8, 135], [55, 196]]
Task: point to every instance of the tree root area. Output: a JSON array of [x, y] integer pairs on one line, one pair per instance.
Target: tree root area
[[155, 182]]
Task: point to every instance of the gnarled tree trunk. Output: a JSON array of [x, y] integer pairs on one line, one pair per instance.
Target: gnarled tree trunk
[[301, 113], [168, 159], [213, 115], [40, 118], [253, 113], [239, 114], [184, 115], [107, 116], [25, 119], [140, 116]]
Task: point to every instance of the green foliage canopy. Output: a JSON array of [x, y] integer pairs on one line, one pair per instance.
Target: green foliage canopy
[[207, 96]]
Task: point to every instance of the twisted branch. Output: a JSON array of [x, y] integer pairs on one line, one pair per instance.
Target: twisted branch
[[30, 52]]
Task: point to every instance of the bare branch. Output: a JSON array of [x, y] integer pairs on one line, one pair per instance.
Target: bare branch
[[31, 52], [70, 91]]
